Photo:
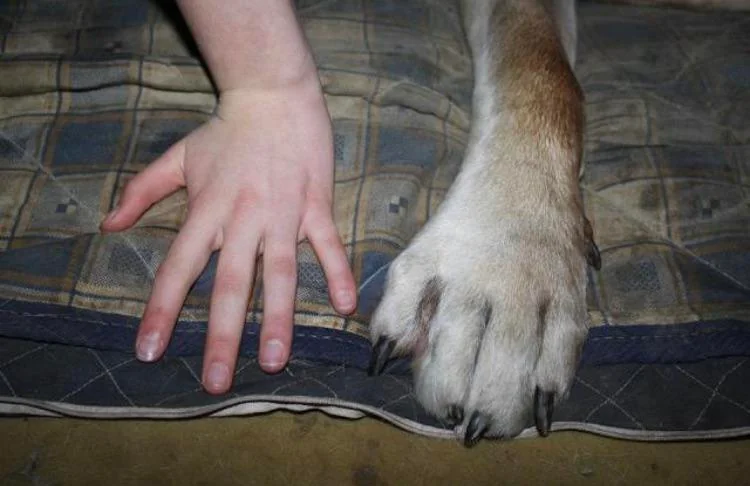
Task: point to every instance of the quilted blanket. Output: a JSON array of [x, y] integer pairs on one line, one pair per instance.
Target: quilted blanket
[[91, 91]]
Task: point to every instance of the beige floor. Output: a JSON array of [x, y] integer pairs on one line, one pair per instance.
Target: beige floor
[[312, 448]]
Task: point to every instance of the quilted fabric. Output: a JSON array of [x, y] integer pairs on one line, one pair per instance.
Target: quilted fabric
[[92, 91]]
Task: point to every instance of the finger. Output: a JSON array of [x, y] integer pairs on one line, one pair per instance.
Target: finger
[[326, 242], [186, 258], [229, 300], [161, 178], [279, 289]]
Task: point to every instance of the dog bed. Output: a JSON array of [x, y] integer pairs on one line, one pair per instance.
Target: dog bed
[[92, 91]]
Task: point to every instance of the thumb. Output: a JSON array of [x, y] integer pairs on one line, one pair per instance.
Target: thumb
[[161, 178]]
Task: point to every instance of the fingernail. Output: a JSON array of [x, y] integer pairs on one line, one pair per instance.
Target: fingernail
[[148, 346], [345, 299], [111, 216], [273, 354], [217, 377]]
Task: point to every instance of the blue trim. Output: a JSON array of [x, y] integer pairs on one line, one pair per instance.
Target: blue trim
[[605, 345], [98, 330], [665, 344]]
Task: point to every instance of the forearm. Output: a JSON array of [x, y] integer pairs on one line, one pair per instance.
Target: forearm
[[250, 44]]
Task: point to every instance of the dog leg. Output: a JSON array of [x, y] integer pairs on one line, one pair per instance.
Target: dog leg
[[489, 298]]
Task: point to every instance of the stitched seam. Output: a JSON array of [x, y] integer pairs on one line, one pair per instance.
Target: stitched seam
[[187, 331], [304, 334]]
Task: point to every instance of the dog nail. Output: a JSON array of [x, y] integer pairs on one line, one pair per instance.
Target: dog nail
[[478, 426], [593, 257], [381, 352], [544, 405], [455, 415]]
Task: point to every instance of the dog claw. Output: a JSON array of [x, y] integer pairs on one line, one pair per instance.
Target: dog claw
[[455, 415], [381, 352], [544, 405], [593, 257], [478, 426]]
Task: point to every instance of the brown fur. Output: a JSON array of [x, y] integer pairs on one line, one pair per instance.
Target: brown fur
[[538, 83], [543, 97]]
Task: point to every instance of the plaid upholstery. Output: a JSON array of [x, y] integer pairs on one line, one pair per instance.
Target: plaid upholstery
[[93, 91], [118, 85], [667, 164]]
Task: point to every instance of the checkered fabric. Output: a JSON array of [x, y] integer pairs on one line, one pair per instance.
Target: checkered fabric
[[92, 91]]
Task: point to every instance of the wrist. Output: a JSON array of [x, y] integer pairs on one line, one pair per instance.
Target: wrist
[[305, 93], [249, 43], [296, 71]]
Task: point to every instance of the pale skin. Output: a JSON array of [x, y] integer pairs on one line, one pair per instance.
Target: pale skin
[[259, 179]]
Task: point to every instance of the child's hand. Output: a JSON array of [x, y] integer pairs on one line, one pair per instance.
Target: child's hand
[[259, 178]]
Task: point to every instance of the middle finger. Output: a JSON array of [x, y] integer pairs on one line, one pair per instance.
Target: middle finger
[[229, 301]]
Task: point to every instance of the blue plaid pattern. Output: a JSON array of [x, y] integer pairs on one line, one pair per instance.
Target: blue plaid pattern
[[92, 91]]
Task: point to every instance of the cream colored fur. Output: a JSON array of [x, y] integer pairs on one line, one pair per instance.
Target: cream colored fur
[[489, 298]]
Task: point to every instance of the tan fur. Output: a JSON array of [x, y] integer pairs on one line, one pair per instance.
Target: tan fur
[[489, 297], [542, 96], [507, 245], [536, 78]]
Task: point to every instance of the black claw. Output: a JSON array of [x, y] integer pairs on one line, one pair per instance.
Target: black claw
[[593, 257], [455, 415], [478, 426], [544, 405], [381, 352]]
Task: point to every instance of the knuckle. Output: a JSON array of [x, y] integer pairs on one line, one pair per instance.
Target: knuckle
[[282, 265], [245, 200], [132, 192], [155, 316], [169, 271], [320, 204], [277, 318], [330, 239], [223, 344], [231, 283]]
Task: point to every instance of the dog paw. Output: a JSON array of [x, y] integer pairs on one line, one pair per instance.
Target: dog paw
[[491, 307]]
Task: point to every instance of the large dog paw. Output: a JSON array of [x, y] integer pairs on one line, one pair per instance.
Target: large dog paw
[[492, 310]]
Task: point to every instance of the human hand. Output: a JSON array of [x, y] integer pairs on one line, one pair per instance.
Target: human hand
[[259, 178]]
